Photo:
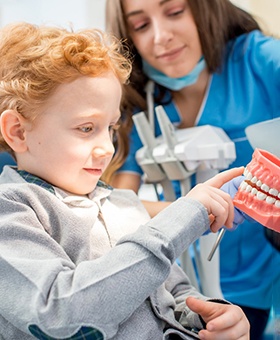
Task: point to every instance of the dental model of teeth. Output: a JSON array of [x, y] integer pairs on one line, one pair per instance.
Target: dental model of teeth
[[259, 194]]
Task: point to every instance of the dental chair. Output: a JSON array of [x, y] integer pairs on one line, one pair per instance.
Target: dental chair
[[202, 151]]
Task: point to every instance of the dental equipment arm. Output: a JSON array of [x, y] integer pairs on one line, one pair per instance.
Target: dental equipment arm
[[174, 168], [153, 171]]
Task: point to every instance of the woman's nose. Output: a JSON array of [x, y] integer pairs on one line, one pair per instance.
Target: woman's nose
[[162, 33]]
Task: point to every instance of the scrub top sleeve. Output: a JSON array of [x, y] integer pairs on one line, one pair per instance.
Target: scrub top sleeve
[[265, 60]]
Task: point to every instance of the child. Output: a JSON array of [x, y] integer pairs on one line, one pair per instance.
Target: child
[[73, 261]]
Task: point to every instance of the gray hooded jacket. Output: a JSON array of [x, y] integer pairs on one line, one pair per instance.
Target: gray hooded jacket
[[66, 263]]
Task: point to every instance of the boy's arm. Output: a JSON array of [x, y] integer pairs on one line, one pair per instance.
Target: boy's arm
[[60, 293]]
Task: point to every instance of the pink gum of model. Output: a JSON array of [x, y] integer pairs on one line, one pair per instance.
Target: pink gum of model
[[259, 194]]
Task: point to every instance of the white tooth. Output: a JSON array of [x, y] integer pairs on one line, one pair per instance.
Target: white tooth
[[254, 191], [249, 188], [279, 195], [277, 204], [254, 180], [270, 200], [265, 187], [273, 192], [246, 172], [261, 196], [249, 176], [243, 185], [259, 183]]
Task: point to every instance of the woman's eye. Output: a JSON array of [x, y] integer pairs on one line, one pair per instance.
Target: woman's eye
[[113, 129], [138, 26], [177, 12]]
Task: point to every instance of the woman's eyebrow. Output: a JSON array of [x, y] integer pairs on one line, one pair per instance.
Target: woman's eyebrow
[[136, 12], [132, 13], [164, 1]]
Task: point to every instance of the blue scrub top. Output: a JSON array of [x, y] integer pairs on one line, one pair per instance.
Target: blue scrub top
[[5, 159], [244, 92]]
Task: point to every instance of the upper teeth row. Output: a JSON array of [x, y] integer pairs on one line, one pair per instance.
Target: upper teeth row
[[264, 187]]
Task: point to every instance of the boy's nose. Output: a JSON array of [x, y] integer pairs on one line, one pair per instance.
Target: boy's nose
[[104, 148]]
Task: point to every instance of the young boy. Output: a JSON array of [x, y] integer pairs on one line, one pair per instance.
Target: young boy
[[79, 259]]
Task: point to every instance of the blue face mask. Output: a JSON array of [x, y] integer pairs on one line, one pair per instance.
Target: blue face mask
[[174, 84]]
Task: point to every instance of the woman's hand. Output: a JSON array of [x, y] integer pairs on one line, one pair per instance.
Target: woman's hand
[[223, 321], [218, 203]]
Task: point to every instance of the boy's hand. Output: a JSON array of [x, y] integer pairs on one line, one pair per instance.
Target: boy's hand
[[223, 321], [217, 202]]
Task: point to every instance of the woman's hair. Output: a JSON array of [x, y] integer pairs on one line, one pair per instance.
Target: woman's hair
[[217, 21], [35, 60]]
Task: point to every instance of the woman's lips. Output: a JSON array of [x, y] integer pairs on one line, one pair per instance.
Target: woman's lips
[[173, 54]]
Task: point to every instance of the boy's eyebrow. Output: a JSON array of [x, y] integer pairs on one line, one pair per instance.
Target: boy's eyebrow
[[95, 115], [129, 14]]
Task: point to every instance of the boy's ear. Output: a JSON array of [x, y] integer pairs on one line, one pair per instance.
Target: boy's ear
[[13, 130]]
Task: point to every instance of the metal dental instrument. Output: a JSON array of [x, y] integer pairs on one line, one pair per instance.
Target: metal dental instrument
[[216, 244]]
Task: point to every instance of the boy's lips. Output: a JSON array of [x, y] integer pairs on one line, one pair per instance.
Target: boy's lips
[[94, 171]]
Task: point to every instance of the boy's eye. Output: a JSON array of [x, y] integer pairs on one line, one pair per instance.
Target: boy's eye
[[86, 128]]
